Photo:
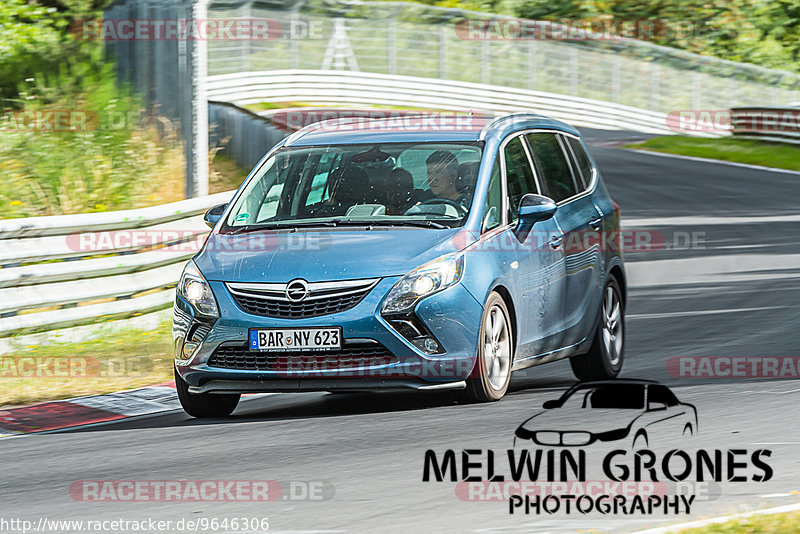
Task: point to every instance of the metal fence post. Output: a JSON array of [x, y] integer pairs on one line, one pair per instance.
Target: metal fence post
[[696, 88], [199, 106], [655, 104], [443, 51], [573, 71], [485, 64], [391, 47], [532, 64], [245, 47], [294, 56]]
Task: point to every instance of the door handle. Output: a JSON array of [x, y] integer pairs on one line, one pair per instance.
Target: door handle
[[556, 240], [595, 224]]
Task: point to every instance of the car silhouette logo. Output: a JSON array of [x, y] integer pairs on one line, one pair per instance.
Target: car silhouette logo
[[296, 290], [637, 411]]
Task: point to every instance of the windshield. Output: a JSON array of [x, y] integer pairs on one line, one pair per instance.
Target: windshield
[[428, 184]]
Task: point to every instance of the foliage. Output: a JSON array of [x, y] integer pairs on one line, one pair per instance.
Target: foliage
[[35, 40], [763, 32], [121, 158]]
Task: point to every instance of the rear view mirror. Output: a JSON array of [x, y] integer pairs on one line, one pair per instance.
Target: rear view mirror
[[656, 406], [213, 215], [535, 208], [549, 405]]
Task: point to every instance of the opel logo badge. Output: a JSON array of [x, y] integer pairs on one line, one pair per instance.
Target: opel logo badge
[[296, 290]]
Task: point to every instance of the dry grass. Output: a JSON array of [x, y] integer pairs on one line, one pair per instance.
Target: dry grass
[[117, 361]]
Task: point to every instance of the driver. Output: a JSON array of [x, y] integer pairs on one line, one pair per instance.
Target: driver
[[443, 175]]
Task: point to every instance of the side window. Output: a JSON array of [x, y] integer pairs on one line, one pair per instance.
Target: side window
[[519, 175], [584, 165], [492, 208], [553, 166], [662, 394]]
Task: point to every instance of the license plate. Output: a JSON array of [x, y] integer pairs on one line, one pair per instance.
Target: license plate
[[285, 339]]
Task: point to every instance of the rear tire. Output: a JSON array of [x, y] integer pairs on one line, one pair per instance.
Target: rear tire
[[492, 371], [205, 405], [604, 359]]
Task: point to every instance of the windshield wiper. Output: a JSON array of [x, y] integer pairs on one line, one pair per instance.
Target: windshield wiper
[[279, 226], [427, 223]]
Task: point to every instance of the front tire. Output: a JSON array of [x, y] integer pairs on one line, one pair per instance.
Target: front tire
[[604, 359], [205, 405], [492, 372]]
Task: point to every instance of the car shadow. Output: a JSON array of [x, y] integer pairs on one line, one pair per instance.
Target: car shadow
[[298, 406]]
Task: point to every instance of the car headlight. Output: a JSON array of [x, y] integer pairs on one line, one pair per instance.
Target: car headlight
[[423, 282], [194, 288]]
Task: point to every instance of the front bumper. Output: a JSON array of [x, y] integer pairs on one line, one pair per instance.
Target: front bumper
[[452, 316]]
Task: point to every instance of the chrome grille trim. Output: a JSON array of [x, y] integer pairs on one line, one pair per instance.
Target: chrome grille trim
[[323, 298], [316, 290]]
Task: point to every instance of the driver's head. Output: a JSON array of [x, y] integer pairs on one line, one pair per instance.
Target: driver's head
[[442, 174]]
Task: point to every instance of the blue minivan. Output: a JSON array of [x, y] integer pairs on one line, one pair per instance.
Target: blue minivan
[[423, 253]]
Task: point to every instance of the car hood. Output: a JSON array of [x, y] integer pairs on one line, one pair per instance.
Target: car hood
[[330, 254], [581, 419]]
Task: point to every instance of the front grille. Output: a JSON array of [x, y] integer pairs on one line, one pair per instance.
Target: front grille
[[350, 356], [324, 298]]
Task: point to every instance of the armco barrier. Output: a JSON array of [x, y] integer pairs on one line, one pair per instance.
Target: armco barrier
[[346, 88], [72, 270], [767, 123]]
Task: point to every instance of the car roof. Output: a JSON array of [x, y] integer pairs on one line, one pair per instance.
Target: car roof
[[433, 127]]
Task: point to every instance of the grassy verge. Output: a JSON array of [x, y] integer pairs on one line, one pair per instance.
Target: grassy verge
[[780, 155], [117, 361], [761, 524], [224, 174]]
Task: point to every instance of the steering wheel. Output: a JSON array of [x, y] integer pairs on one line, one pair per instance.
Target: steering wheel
[[459, 208]]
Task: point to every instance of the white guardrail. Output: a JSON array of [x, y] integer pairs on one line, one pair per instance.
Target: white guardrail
[[332, 87], [775, 124], [72, 270]]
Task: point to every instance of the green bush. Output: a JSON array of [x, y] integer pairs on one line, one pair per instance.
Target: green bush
[[119, 157]]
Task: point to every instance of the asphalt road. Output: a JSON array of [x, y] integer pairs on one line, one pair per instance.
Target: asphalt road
[[733, 292]]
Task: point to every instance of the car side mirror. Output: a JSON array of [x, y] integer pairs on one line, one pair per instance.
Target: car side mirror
[[656, 406], [213, 215], [549, 405], [535, 208]]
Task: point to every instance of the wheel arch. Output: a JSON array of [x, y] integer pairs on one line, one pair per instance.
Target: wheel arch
[[505, 294], [617, 272]]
